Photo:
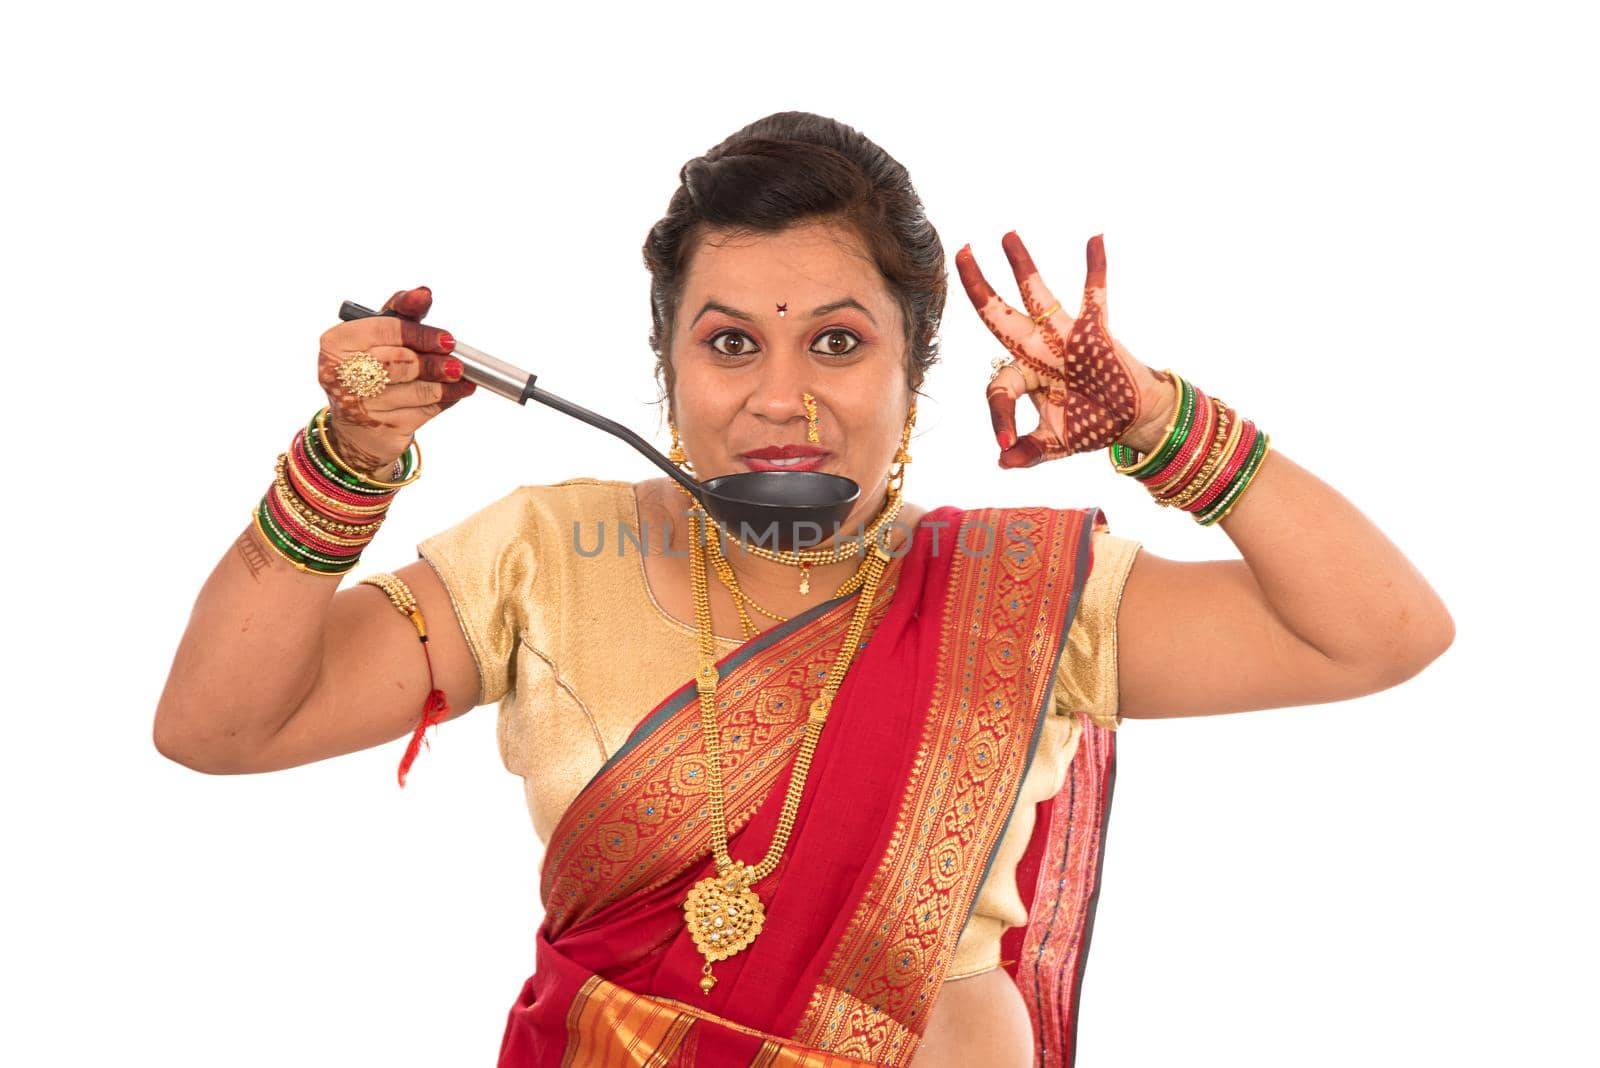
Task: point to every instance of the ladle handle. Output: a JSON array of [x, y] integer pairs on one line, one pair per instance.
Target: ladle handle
[[514, 383]]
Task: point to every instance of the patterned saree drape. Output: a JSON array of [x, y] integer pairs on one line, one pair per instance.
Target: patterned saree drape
[[913, 782]]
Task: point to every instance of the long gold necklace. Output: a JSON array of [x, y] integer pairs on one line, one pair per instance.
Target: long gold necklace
[[724, 915]]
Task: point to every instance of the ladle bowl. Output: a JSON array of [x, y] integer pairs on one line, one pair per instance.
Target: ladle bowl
[[783, 510]]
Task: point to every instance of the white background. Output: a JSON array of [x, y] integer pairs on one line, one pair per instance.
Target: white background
[[1369, 227]]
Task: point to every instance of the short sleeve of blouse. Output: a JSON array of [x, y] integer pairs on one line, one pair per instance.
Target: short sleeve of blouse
[[486, 563], [1086, 678]]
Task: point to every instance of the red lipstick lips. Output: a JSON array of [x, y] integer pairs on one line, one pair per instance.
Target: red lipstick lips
[[785, 458]]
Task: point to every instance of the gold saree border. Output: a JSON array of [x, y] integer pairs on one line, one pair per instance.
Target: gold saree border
[[609, 1026], [643, 819], [1005, 627]]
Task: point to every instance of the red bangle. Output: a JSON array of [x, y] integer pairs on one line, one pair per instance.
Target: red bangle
[[1193, 454], [304, 533], [311, 473], [1241, 452]]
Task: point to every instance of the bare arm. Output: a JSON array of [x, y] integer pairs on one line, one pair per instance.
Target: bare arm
[[276, 669], [1323, 607]]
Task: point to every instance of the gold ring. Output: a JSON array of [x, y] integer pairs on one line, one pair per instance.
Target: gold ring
[[1042, 316], [362, 376], [1000, 363]]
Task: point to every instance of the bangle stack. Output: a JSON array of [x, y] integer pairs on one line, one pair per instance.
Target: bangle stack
[[321, 513], [1205, 461]]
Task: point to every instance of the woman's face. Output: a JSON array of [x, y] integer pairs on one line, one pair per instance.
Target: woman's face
[[740, 367]]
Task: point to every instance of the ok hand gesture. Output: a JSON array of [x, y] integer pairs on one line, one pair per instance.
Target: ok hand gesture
[[1088, 389]]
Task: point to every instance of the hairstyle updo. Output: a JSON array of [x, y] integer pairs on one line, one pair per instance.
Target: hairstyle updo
[[793, 167]]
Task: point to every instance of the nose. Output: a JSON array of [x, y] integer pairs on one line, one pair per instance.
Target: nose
[[781, 378]]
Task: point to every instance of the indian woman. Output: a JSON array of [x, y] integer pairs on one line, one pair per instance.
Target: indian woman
[[836, 805]]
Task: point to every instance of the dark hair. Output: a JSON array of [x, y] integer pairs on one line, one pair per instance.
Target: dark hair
[[794, 167]]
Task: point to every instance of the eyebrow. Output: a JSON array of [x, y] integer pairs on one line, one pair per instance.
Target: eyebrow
[[824, 309]]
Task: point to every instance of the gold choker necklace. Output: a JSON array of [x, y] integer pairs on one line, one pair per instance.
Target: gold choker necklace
[[806, 559], [741, 598]]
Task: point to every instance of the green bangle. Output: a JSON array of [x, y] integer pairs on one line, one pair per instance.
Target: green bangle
[[292, 551], [317, 451], [1177, 433], [1230, 496], [365, 483], [328, 462]]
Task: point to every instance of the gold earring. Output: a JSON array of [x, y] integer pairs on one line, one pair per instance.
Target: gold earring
[[903, 456], [811, 418], [677, 455]]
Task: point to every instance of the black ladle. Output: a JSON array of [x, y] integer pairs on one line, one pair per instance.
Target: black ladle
[[775, 509]]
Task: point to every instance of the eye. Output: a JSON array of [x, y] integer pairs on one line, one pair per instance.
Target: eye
[[832, 340], [740, 343]]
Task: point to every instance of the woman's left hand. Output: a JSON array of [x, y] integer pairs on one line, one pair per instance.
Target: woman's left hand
[[1090, 392]]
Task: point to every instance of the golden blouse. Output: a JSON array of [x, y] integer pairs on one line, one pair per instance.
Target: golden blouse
[[573, 644]]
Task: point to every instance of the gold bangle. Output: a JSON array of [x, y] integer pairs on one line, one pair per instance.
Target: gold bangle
[[1136, 468], [1197, 461], [1265, 449], [313, 496], [305, 510], [1214, 463], [332, 537], [311, 517], [327, 446], [255, 519]]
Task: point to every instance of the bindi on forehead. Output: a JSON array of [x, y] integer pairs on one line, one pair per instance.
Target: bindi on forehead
[[783, 310]]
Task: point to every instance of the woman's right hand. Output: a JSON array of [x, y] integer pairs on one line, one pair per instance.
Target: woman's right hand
[[424, 379]]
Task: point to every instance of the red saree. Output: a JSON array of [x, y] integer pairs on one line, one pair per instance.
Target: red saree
[[914, 780]]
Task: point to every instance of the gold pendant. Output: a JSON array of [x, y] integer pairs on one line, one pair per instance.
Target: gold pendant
[[805, 580], [724, 916]]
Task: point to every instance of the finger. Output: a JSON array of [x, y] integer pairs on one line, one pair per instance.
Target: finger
[[413, 394], [1094, 284], [1028, 451], [1003, 393], [399, 361], [405, 365], [1036, 296], [454, 391], [437, 367], [386, 330], [1003, 321], [424, 338], [410, 303]]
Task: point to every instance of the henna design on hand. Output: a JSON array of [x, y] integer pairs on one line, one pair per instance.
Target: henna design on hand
[[1085, 385], [355, 455]]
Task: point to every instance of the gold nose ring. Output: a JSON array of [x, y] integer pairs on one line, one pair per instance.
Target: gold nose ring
[[811, 418]]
